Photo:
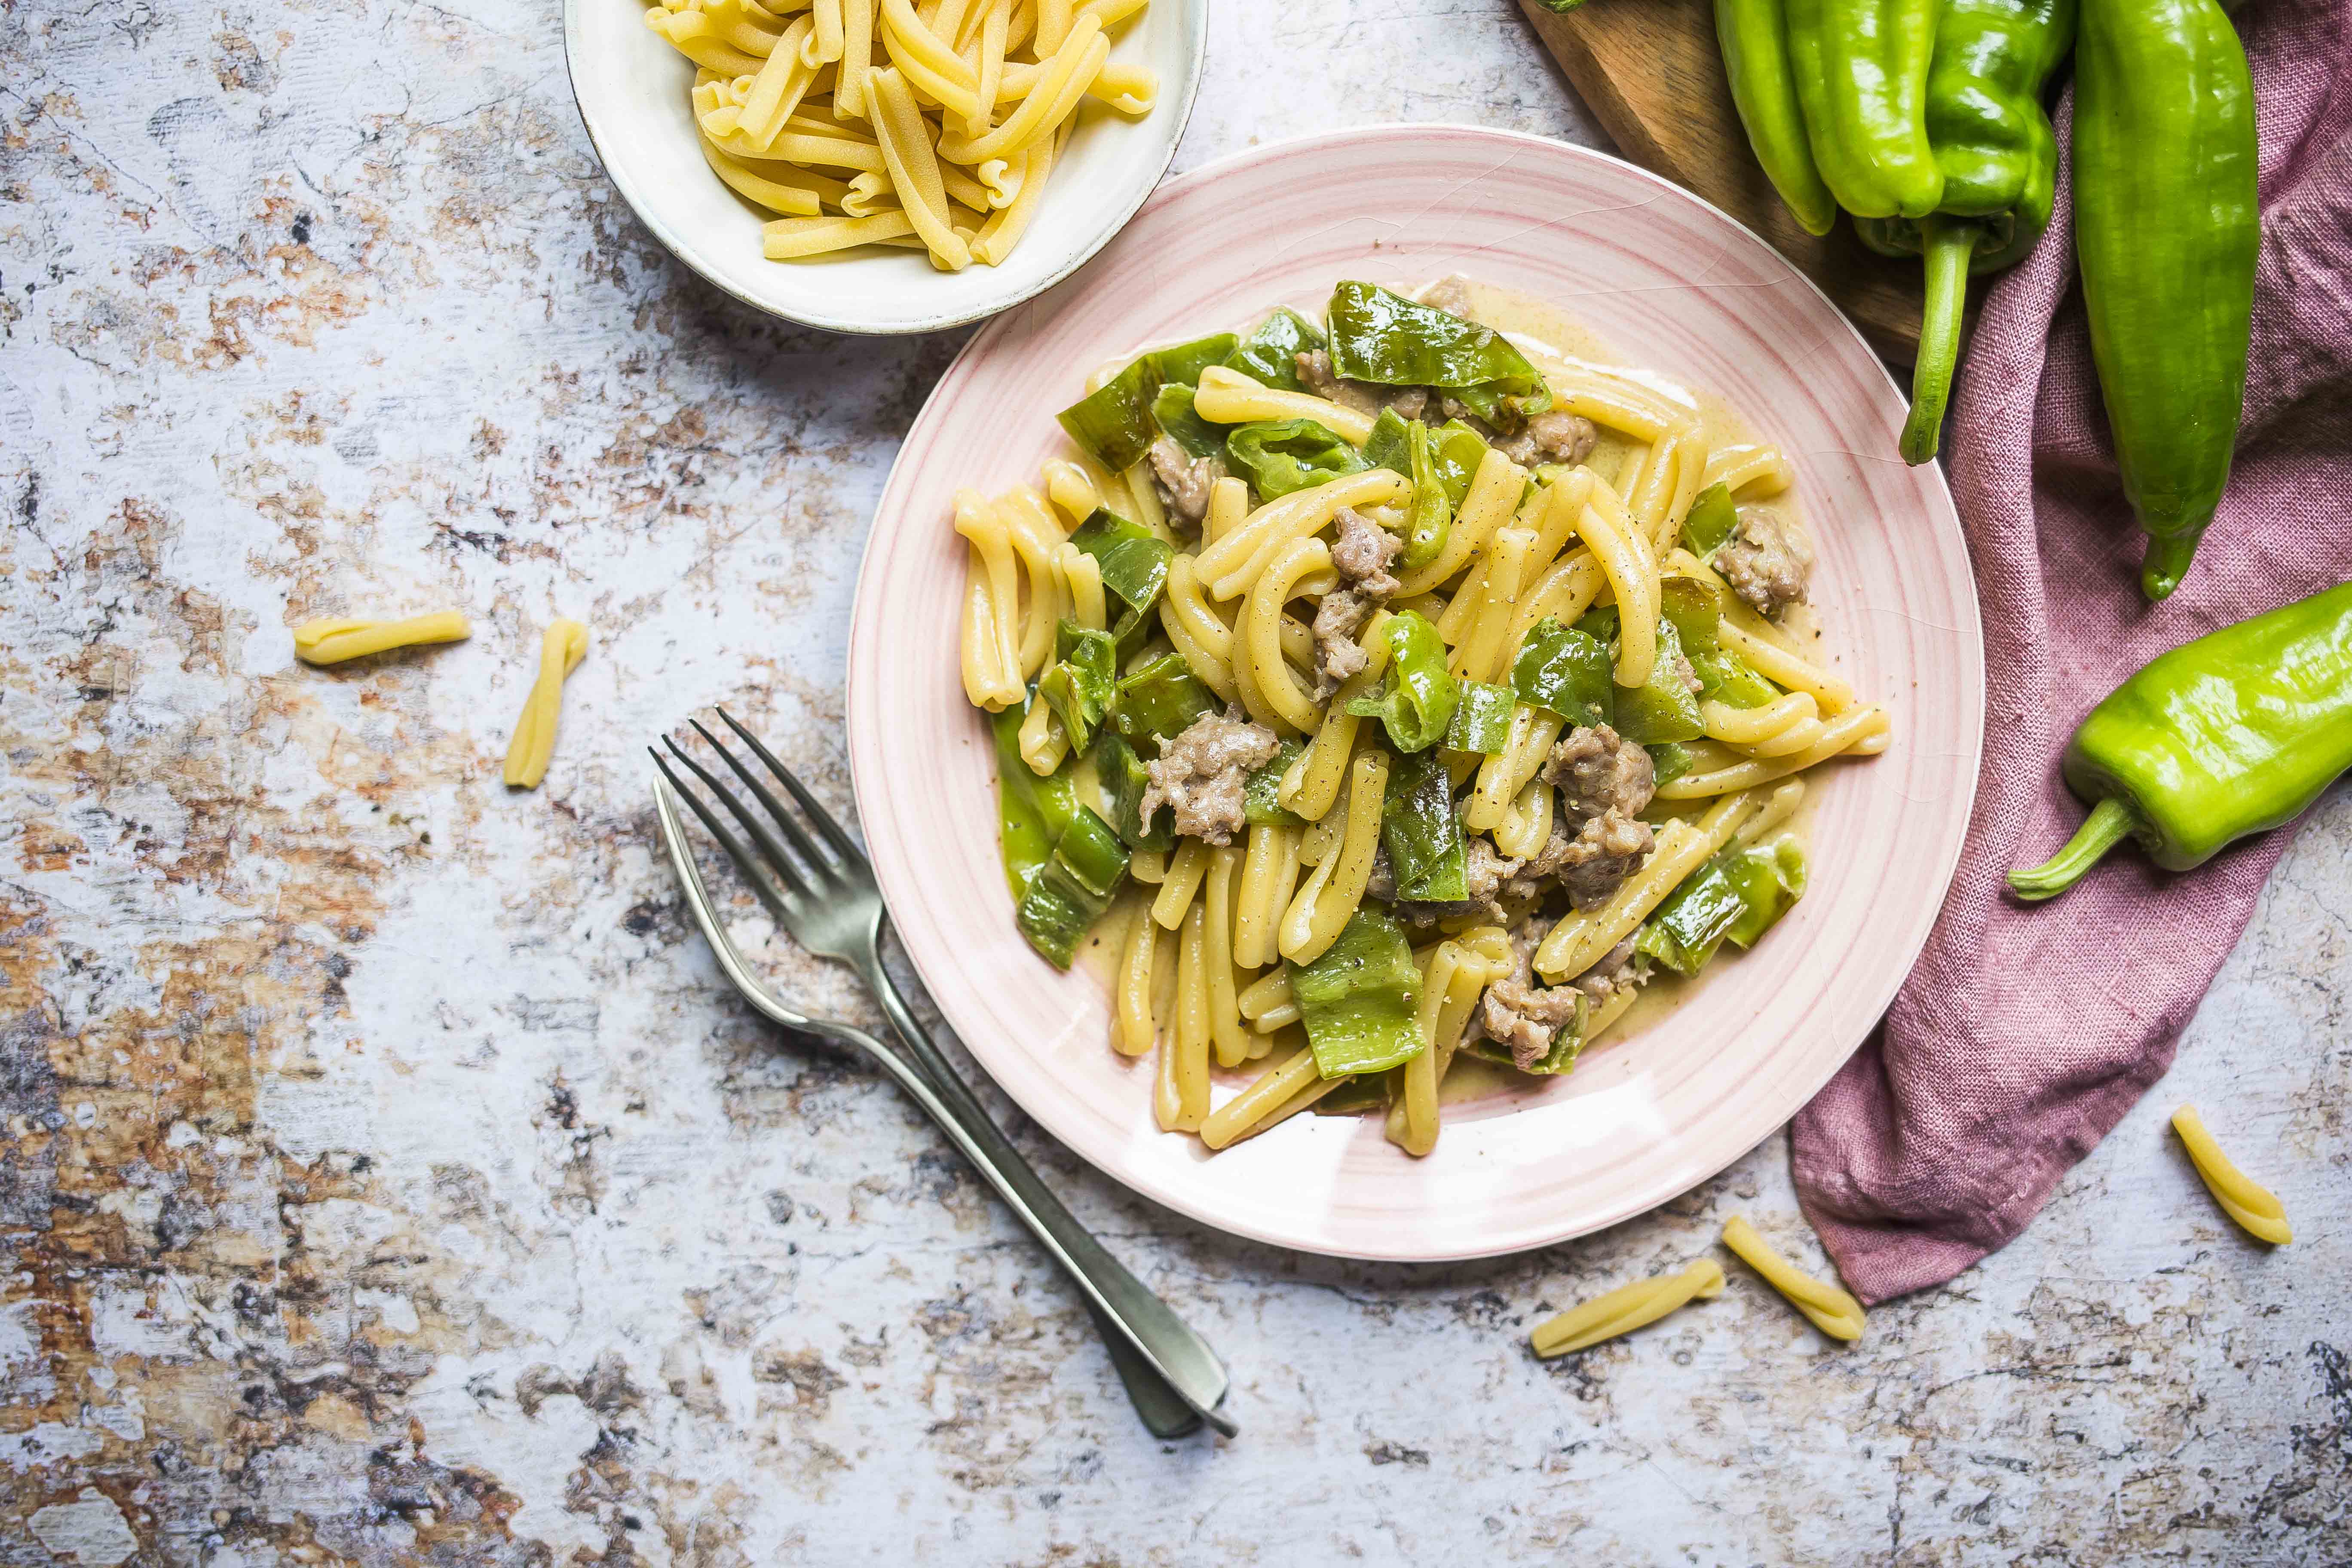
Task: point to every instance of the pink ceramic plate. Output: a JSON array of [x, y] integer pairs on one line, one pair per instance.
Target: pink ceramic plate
[[1674, 285]]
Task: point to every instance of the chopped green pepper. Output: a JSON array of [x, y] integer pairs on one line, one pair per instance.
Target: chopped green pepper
[[1082, 682], [1270, 355], [1133, 559], [1669, 760], [1736, 897], [1384, 338], [1174, 412], [1180, 365], [1710, 523], [1032, 811], [1723, 677], [1663, 708], [2232, 734], [1482, 717], [1566, 671], [1114, 424], [1073, 888], [1278, 457], [1416, 702], [1360, 999], [1159, 700], [1420, 831], [1125, 778], [1262, 790]]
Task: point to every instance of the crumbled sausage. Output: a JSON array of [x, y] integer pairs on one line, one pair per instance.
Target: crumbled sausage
[[1599, 770], [1522, 1017], [1362, 553], [1552, 436], [1184, 482], [1337, 657], [1614, 973], [1203, 773], [1365, 397], [1766, 561], [1605, 852], [1687, 675]]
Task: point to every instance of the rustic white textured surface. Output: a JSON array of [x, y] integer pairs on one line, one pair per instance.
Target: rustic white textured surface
[[382, 1178]]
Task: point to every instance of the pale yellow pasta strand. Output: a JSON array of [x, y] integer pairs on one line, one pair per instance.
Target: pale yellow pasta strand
[[1044, 742], [790, 238], [1071, 490], [1193, 1022], [1564, 594], [783, 79], [1777, 808], [1501, 777], [1862, 730], [1746, 726], [1831, 1310], [1489, 501], [1616, 544], [1226, 1028], [1481, 652], [1242, 1115], [1110, 14], [1229, 565], [1269, 877], [1269, 670], [1004, 228], [1579, 939], [1199, 634], [333, 639], [992, 649], [995, 24], [1053, 25], [1148, 867], [2255, 1206], [1037, 535], [1783, 668], [561, 647], [856, 58], [826, 38], [1764, 469], [1456, 975], [692, 34], [1312, 782], [1228, 504], [1081, 577], [1627, 1308], [1323, 906], [1228, 397], [1071, 71], [1182, 881], [792, 200], [1133, 1031], [914, 168], [1267, 995], [1526, 827], [1246, 687], [835, 150]]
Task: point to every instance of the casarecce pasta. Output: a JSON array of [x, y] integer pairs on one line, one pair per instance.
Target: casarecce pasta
[[863, 123], [1430, 722]]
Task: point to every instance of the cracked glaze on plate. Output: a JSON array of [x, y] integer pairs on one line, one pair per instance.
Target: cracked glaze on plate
[[1673, 284]]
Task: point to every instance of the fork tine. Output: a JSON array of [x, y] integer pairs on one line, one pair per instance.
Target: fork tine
[[780, 869], [825, 864], [833, 832]]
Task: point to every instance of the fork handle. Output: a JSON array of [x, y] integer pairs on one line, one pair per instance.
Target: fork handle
[[1170, 1347]]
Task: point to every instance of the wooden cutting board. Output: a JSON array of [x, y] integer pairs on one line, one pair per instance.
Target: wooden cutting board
[[1652, 75]]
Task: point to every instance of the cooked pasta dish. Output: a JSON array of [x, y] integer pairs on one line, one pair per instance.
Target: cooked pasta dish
[[928, 124], [1393, 690]]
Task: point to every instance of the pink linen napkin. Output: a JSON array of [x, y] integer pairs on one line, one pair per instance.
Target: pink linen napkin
[[2027, 1031]]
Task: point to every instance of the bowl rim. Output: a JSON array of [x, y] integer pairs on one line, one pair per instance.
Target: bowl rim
[[1196, 51], [1696, 1168]]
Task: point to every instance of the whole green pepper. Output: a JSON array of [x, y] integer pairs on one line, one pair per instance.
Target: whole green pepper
[[2000, 159], [2166, 230], [1860, 70], [2232, 734], [1755, 38]]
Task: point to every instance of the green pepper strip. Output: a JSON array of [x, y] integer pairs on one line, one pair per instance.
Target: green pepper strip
[[2167, 231], [2232, 734]]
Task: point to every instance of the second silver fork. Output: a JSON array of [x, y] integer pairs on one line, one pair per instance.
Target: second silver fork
[[821, 889]]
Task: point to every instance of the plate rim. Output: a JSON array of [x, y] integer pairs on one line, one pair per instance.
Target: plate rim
[[1687, 1173], [1196, 55]]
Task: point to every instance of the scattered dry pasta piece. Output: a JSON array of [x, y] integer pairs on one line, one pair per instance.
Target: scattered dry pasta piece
[[1834, 1312], [2251, 1205], [560, 649], [1627, 1308], [331, 640]]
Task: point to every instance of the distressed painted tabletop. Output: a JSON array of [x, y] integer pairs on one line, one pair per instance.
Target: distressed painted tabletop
[[384, 1178]]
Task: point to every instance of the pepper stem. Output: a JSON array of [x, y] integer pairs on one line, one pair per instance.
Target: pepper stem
[[1946, 246], [2110, 822]]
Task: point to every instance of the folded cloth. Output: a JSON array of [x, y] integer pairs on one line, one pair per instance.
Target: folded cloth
[[2027, 1030]]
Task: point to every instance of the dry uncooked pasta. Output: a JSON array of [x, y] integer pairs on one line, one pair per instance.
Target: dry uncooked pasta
[[1627, 1308], [929, 126], [331, 639], [2252, 1205], [560, 649], [1832, 1310]]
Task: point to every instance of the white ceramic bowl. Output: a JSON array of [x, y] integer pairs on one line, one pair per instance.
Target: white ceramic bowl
[[632, 91]]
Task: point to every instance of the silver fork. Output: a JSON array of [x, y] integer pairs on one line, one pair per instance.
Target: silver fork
[[821, 889]]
